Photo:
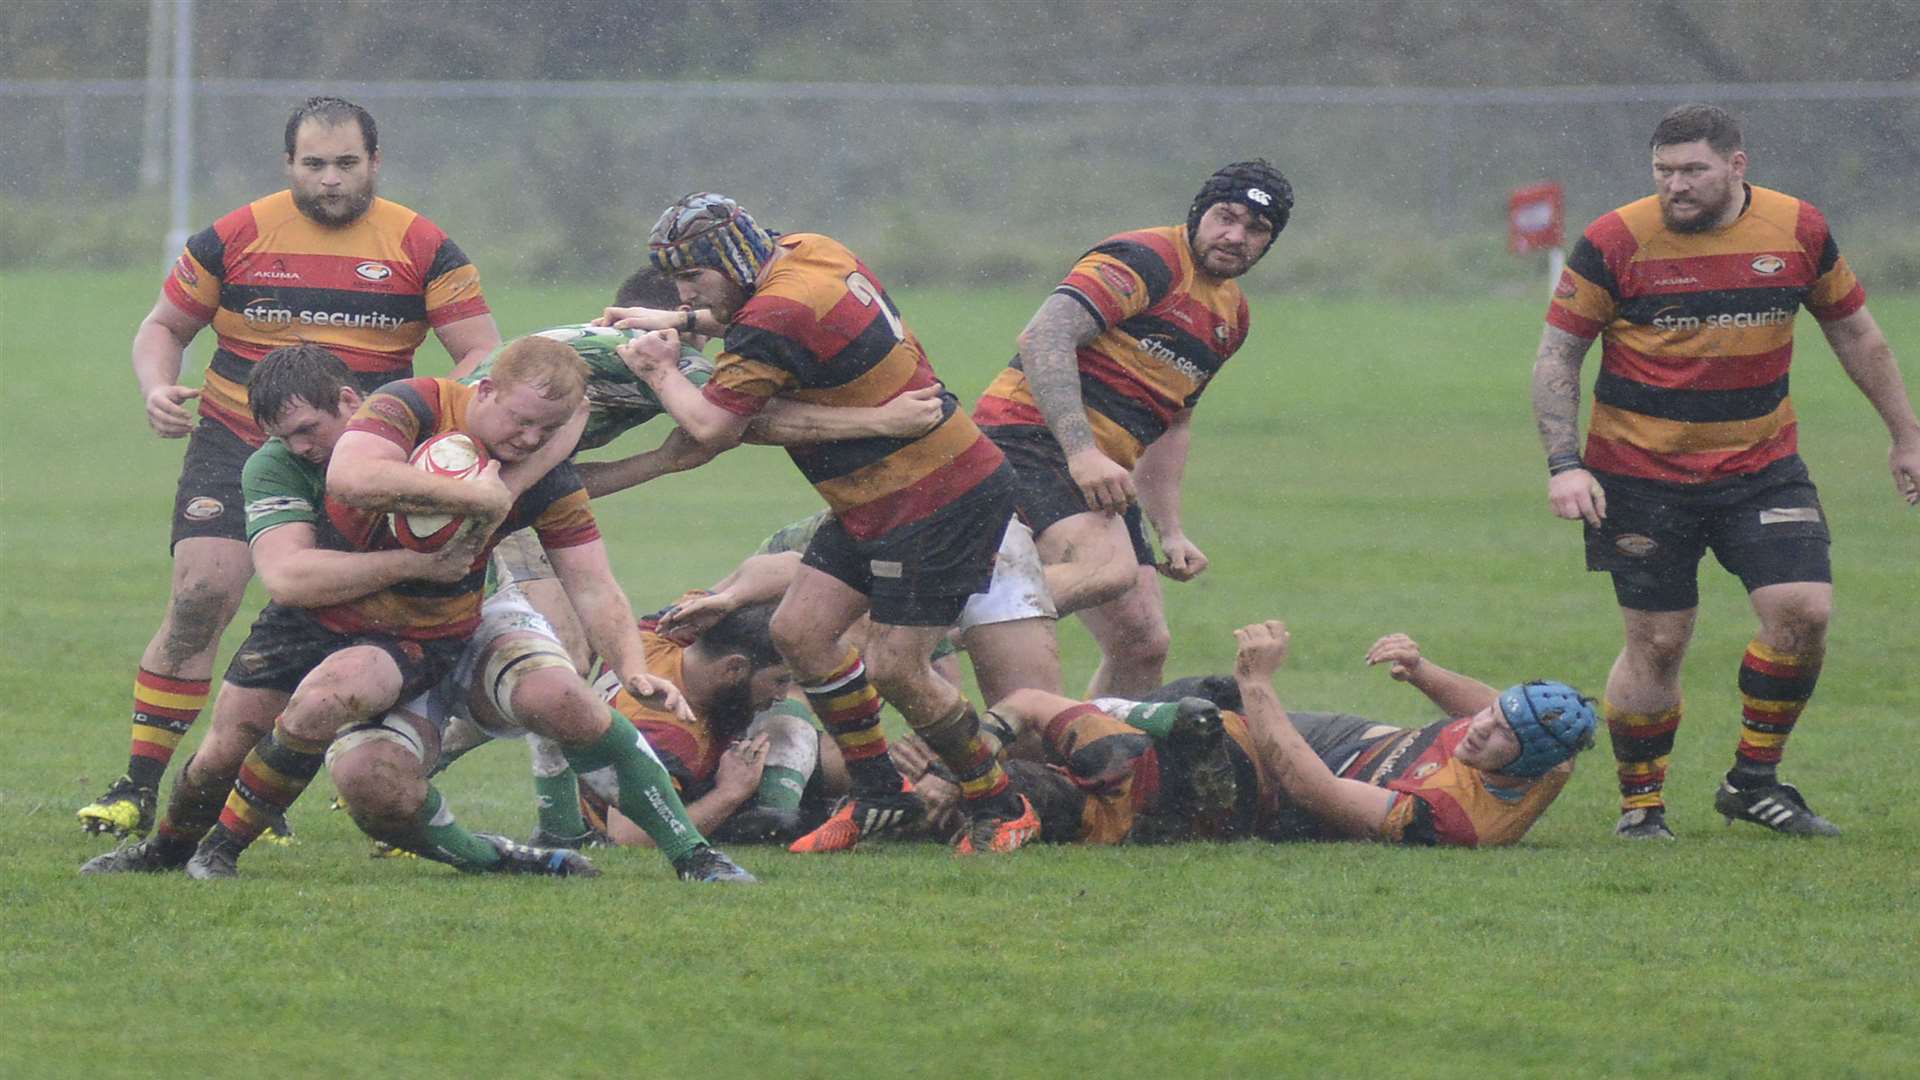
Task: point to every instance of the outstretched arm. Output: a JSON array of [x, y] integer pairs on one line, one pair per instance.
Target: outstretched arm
[[1348, 807], [1457, 695], [1571, 489], [678, 452], [1049, 353], [787, 423], [1868, 359], [607, 617]]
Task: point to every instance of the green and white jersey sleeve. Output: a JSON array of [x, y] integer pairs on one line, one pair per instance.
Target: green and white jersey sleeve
[[617, 399], [794, 536], [280, 487]]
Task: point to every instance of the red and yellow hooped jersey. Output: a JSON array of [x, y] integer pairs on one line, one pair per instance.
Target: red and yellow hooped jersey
[[266, 276], [1441, 799], [407, 413], [690, 751], [1697, 333], [1165, 331], [820, 328]]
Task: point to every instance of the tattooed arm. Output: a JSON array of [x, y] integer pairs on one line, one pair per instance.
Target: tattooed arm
[[1048, 348], [1571, 490]]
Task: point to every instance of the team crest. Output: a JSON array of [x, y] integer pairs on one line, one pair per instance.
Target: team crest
[[1566, 288], [1635, 544], [373, 271], [1117, 279], [1768, 264], [1425, 771], [204, 508], [184, 268]]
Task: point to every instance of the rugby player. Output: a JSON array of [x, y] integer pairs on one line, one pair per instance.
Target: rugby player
[[1692, 445], [326, 262], [916, 521], [355, 659], [1233, 762], [1096, 410], [302, 396]]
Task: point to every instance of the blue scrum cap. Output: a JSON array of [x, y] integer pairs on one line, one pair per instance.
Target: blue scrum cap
[[1551, 720]]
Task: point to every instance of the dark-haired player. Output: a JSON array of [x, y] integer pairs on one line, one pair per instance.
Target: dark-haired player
[[1692, 444], [325, 262], [1234, 763], [1095, 411], [916, 519]]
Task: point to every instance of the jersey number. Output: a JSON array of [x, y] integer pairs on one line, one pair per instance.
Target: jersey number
[[865, 292]]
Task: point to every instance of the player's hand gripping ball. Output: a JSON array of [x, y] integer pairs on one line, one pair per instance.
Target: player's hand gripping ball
[[450, 454]]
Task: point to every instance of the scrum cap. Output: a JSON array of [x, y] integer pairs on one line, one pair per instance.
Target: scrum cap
[[1255, 184], [1551, 720], [708, 230]]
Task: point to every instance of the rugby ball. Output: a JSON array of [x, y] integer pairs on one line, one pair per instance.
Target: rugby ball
[[451, 454]]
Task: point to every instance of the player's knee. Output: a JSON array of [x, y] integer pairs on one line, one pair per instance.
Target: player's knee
[[1662, 647], [380, 786], [1142, 646], [555, 703]]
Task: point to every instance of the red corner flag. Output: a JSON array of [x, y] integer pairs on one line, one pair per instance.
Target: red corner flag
[[1536, 218]]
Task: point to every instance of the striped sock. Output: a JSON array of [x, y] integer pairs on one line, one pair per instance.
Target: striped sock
[[276, 771], [849, 707], [164, 708], [193, 807], [1774, 688], [1642, 746], [956, 738]]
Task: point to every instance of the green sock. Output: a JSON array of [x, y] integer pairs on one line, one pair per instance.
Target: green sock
[[558, 798], [438, 837], [780, 788], [639, 786], [1153, 717]]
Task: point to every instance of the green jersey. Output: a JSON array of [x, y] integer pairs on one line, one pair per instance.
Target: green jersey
[[280, 487], [617, 399]]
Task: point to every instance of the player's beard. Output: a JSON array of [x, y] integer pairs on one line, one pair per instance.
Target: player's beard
[[731, 711], [344, 209], [1201, 258], [1708, 212]]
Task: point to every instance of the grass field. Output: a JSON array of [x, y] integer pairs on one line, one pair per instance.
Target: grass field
[[1361, 467]]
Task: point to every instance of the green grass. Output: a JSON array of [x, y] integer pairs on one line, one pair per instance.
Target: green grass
[[1361, 468]]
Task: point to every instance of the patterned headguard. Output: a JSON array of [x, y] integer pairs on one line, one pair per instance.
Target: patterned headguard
[[1551, 720], [705, 229], [1256, 185]]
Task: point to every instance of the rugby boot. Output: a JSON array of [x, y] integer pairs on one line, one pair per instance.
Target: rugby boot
[[1643, 823], [1779, 807], [993, 829], [1197, 750], [710, 866], [552, 862], [859, 816], [278, 832], [756, 824], [384, 850], [592, 838], [216, 859], [154, 855], [125, 810]]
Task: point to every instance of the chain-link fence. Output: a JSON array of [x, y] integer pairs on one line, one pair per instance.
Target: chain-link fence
[[1398, 188]]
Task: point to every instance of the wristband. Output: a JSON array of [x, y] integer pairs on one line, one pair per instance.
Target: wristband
[[1559, 463], [692, 321]]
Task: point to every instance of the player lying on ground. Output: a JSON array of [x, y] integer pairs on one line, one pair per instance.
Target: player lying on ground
[[528, 412], [916, 520], [1240, 765], [369, 278], [303, 397], [515, 679], [740, 761]]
